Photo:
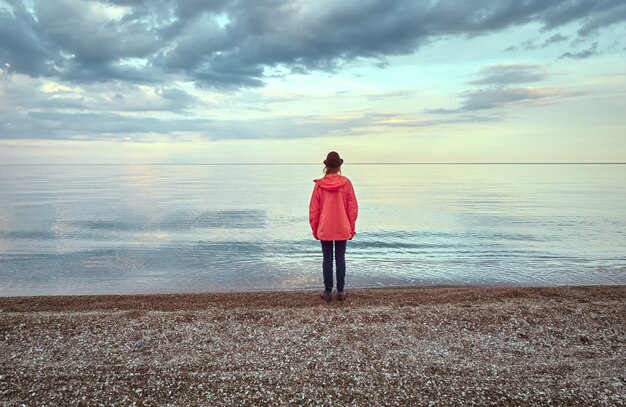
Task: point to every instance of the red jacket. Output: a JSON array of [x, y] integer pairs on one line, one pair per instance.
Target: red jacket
[[333, 209]]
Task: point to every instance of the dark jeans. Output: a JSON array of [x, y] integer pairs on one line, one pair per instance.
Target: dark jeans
[[340, 263]]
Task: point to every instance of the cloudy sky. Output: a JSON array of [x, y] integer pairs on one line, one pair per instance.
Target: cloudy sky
[[190, 81]]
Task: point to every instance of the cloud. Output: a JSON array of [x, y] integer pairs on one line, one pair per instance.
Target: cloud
[[606, 13], [495, 98], [554, 39], [232, 44], [581, 54], [499, 87], [22, 94], [413, 121], [91, 33], [122, 126], [592, 15], [491, 98], [22, 49], [442, 111], [32, 108], [529, 45], [401, 94], [506, 74], [117, 69]]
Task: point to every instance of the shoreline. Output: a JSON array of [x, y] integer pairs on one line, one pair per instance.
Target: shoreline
[[445, 345], [290, 298]]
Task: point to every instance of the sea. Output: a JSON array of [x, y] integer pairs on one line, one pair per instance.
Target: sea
[[118, 229]]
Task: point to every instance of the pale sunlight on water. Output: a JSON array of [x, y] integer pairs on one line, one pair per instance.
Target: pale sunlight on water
[[192, 228]]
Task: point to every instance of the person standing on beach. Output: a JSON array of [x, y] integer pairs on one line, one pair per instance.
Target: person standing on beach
[[332, 214]]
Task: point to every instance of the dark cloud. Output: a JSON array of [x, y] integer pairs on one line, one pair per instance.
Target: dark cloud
[[582, 54], [554, 39], [506, 74], [178, 97], [92, 38], [535, 44], [230, 43], [22, 49], [606, 14], [592, 15]]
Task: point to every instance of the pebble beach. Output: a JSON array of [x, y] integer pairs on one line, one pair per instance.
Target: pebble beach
[[441, 346]]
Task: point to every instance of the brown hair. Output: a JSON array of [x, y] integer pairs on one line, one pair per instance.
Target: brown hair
[[330, 170]]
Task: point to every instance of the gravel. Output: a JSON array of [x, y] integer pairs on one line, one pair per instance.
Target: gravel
[[439, 346]]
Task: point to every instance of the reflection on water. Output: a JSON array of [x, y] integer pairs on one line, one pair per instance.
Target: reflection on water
[[141, 229]]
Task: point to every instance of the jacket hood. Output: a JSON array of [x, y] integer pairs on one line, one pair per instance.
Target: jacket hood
[[331, 182]]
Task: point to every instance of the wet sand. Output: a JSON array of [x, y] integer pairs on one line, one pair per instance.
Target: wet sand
[[394, 346]]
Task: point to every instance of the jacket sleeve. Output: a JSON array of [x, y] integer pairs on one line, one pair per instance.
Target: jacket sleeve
[[314, 210], [353, 208]]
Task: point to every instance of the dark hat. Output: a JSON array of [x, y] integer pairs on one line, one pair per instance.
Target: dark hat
[[333, 160]]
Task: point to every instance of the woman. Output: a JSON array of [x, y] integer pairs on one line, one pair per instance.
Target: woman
[[332, 214]]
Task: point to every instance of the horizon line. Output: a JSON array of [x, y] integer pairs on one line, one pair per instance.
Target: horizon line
[[355, 163]]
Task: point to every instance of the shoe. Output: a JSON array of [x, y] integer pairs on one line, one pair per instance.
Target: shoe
[[326, 296], [341, 295]]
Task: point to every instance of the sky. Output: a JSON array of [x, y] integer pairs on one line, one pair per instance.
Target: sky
[[275, 81]]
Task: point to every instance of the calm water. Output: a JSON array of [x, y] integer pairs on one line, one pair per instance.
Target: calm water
[[190, 228]]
